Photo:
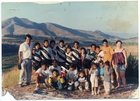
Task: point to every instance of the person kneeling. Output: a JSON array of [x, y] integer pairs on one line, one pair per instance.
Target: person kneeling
[[56, 81], [42, 75]]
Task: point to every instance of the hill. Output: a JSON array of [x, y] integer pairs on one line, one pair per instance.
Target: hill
[[22, 26]]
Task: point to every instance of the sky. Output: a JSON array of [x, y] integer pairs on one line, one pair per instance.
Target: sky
[[109, 17]]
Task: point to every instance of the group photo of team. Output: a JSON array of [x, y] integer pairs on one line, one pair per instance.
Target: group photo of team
[[63, 67]]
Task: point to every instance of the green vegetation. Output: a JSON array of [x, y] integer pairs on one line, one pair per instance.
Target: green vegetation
[[8, 62]]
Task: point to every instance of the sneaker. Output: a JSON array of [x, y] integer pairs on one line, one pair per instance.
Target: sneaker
[[92, 93], [20, 85], [98, 91], [45, 86], [95, 93], [37, 87], [80, 88]]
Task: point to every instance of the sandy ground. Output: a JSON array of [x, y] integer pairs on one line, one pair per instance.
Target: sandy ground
[[26, 93]]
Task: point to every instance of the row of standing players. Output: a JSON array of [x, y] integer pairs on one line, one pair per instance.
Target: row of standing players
[[78, 59]]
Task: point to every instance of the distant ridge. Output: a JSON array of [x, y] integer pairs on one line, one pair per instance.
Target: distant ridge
[[22, 26]]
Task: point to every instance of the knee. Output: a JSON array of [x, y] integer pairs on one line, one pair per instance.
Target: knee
[[76, 83]]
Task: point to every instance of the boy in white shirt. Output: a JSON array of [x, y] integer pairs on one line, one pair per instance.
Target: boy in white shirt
[[55, 66], [42, 75]]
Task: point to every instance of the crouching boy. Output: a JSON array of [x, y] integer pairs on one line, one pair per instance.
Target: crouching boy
[[56, 81], [42, 75], [82, 81], [71, 77]]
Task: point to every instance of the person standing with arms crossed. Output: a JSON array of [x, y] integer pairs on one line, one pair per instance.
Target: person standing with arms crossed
[[25, 59], [108, 55]]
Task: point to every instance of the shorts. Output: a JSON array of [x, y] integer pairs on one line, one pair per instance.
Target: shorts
[[43, 80], [120, 67], [94, 81], [100, 82], [87, 64]]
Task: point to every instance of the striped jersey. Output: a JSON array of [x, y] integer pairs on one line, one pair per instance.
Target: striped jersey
[[76, 54], [37, 56], [90, 55], [69, 57], [61, 57], [46, 53], [53, 52]]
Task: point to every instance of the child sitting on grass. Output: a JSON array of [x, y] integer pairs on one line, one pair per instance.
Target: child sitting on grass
[[101, 75], [71, 77], [94, 78], [82, 81], [107, 78], [56, 81], [42, 75]]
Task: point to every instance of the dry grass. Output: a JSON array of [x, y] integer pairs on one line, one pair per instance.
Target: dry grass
[[11, 78]]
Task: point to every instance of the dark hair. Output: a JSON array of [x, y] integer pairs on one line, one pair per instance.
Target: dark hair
[[54, 60], [118, 41], [107, 63], [61, 41], [29, 36], [83, 48], [44, 63], [76, 42], [52, 41], [105, 40], [72, 65], [68, 47], [93, 64], [81, 71], [93, 45], [97, 46], [37, 43], [54, 70], [46, 40], [101, 61]]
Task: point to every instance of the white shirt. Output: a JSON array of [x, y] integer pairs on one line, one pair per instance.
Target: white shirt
[[94, 73], [98, 58], [72, 74], [57, 68], [44, 72], [26, 50]]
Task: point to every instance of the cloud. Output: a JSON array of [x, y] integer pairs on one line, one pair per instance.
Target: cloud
[[118, 25]]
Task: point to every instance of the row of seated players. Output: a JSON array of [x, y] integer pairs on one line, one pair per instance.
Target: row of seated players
[[58, 77]]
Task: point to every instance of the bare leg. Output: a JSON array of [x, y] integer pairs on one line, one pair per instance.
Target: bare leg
[[86, 71], [92, 88], [37, 79], [122, 74], [118, 77]]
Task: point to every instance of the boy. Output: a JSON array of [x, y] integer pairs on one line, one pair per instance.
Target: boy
[[53, 48], [56, 81], [42, 75], [108, 55], [71, 77], [99, 55], [69, 56], [90, 56], [36, 62], [107, 78], [101, 75], [55, 66], [82, 81], [76, 55], [47, 53], [61, 57]]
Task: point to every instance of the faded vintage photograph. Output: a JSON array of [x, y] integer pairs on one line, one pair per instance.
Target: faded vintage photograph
[[70, 50]]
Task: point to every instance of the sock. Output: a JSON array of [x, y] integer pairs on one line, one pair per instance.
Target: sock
[[37, 84], [112, 81]]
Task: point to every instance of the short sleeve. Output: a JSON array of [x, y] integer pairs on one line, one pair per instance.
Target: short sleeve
[[21, 48], [111, 51], [38, 71]]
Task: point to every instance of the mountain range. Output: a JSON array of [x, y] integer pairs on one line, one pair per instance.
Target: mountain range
[[22, 26]]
